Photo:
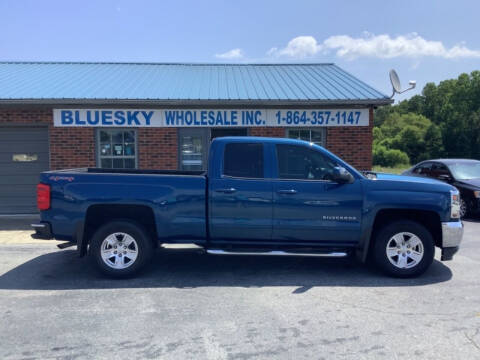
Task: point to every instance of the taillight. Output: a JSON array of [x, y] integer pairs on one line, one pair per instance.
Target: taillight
[[43, 197]]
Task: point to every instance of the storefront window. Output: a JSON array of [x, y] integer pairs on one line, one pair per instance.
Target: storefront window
[[117, 149], [316, 136]]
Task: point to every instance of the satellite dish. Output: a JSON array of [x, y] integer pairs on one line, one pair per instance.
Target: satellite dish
[[397, 87]]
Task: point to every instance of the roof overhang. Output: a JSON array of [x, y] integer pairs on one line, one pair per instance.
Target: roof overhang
[[197, 103]]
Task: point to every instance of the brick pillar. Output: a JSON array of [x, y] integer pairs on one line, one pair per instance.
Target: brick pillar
[[157, 148], [353, 143], [267, 131], [71, 147]]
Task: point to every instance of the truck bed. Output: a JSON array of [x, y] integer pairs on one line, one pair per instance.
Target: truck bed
[[176, 199]]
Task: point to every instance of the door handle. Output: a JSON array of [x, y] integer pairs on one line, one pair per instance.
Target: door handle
[[287, 191], [227, 190]]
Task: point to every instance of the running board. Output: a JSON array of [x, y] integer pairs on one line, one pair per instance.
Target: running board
[[276, 253], [66, 245]]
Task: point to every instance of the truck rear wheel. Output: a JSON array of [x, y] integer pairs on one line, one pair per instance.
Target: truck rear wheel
[[404, 249], [120, 248]]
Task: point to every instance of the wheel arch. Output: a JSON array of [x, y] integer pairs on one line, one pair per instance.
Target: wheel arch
[[428, 219], [100, 214]]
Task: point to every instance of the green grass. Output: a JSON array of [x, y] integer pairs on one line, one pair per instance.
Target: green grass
[[391, 170]]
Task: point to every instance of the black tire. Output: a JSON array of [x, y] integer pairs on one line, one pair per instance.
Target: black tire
[[142, 245], [383, 238]]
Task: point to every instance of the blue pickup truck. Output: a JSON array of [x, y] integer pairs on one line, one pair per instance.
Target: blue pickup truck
[[260, 196]]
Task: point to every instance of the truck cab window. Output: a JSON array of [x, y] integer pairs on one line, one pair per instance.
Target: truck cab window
[[243, 160], [298, 162]]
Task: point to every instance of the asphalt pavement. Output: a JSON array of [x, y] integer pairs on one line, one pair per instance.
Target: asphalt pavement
[[192, 306]]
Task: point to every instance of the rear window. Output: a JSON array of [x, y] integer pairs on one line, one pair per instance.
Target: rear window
[[243, 160]]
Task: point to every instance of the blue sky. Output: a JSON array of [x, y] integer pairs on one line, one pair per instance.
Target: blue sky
[[423, 40]]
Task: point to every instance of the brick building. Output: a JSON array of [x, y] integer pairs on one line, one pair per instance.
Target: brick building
[[66, 115]]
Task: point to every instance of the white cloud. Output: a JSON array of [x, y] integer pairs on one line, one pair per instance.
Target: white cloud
[[231, 54], [299, 47], [462, 51], [380, 46]]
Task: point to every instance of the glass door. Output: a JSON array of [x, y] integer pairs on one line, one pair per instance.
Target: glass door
[[193, 149]]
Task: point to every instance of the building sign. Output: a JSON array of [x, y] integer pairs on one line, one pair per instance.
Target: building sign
[[209, 117]]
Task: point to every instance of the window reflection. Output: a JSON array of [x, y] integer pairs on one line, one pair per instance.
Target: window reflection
[[192, 152]]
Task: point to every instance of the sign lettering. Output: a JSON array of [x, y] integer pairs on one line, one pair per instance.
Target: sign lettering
[[209, 117]]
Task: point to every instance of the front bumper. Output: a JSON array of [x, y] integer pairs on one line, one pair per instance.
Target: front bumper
[[452, 233], [43, 231]]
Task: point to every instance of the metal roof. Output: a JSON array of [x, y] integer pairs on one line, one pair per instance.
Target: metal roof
[[69, 82]]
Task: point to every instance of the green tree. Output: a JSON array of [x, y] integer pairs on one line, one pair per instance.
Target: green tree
[[448, 126], [411, 141], [433, 142], [404, 132], [389, 157]]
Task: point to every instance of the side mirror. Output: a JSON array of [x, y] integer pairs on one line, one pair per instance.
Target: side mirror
[[445, 177], [342, 176]]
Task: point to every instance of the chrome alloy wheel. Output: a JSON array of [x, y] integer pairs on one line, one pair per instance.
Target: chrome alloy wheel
[[119, 250], [463, 208], [405, 250]]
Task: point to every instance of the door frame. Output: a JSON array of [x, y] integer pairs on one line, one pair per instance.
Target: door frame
[[203, 132]]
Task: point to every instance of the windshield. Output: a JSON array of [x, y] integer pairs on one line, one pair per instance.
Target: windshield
[[465, 171]]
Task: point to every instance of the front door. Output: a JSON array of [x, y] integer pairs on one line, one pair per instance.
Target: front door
[[193, 147], [240, 197], [308, 207]]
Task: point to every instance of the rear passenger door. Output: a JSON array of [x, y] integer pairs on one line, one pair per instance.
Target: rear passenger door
[[240, 197]]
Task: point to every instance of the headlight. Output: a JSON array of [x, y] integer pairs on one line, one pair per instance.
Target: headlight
[[454, 204], [476, 194]]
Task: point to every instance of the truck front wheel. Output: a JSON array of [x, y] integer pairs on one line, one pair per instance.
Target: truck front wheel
[[120, 248], [404, 249]]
